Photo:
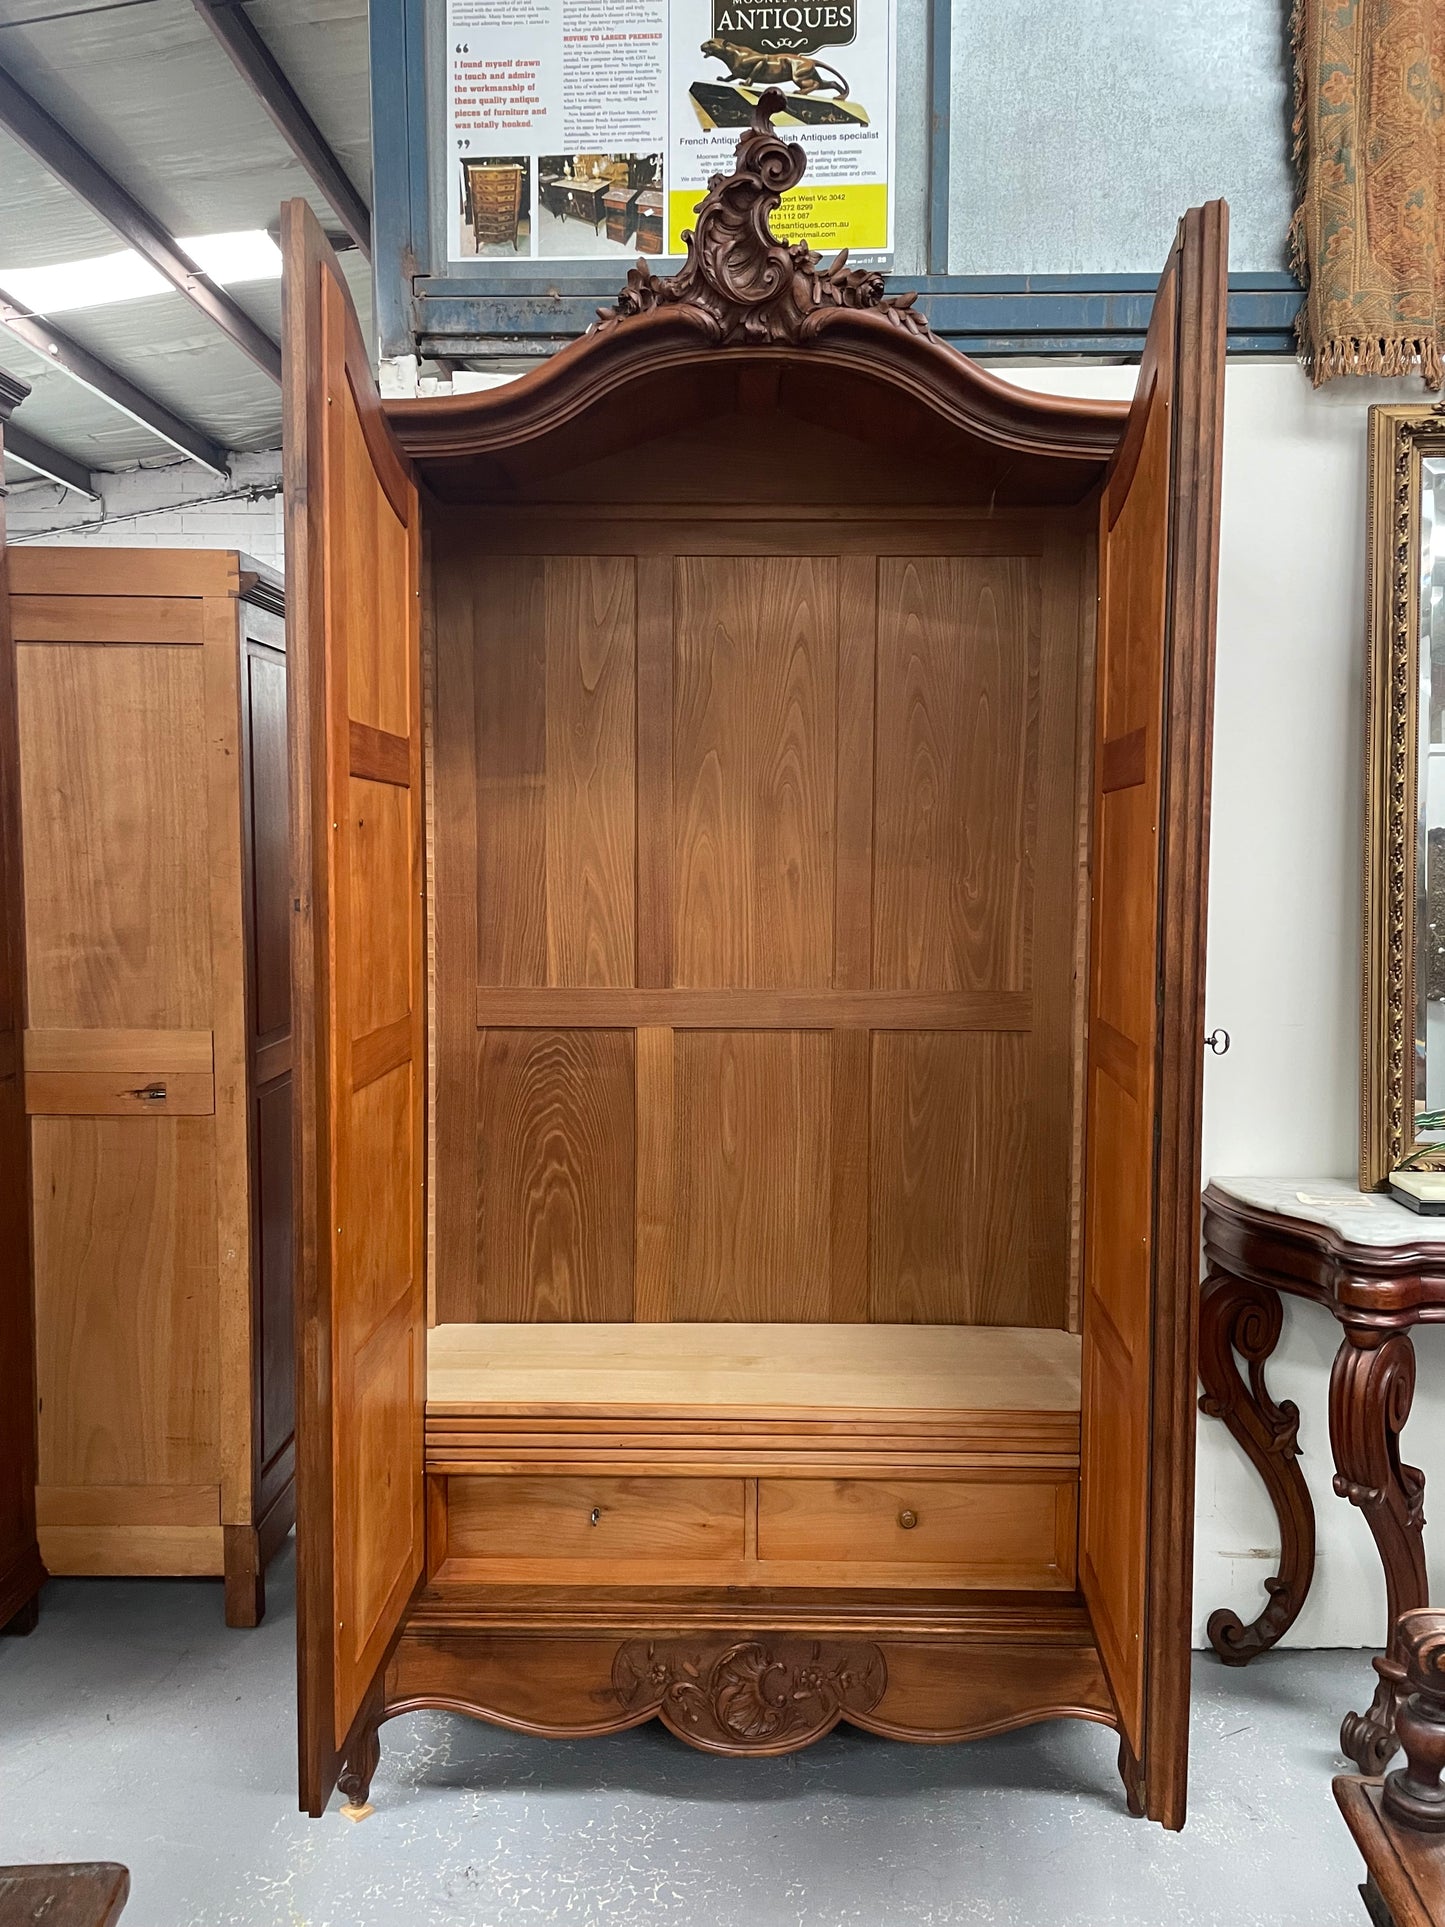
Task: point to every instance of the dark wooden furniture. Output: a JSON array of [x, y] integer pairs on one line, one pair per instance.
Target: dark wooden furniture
[[621, 206], [152, 785], [648, 209], [753, 939], [571, 199], [82, 1893], [21, 1573], [1399, 1824], [494, 201], [1380, 1270]]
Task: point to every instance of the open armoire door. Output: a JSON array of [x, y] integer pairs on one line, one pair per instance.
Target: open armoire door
[[1158, 545], [352, 566], [21, 1573]]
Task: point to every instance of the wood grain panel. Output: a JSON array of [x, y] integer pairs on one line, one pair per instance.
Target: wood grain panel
[[1004, 1531], [758, 1009], [117, 934], [553, 1518], [380, 847], [556, 1179], [119, 1094], [103, 1551], [118, 1050], [456, 1053], [752, 1235], [656, 1168], [590, 760], [108, 618], [125, 1294], [378, 684], [754, 761], [958, 662], [950, 1168], [556, 719], [128, 1505]]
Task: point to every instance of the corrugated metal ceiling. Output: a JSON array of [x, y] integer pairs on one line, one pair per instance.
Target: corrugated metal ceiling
[[149, 92]]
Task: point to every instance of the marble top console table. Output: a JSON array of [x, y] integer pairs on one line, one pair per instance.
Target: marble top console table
[[1380, 1269]]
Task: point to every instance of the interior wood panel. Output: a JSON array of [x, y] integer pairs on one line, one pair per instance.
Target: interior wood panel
[[556, 1188], [811, 804], [753, 1175], [117, 935], [951, 1165], [755, 648], [958, 667], [555, 648], [125, 1293]]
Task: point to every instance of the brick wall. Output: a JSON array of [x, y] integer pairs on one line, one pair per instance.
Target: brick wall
[[177, 505]]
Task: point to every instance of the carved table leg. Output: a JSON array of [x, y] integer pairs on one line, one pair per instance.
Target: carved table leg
[[1236, 1316], [1371, 1387]]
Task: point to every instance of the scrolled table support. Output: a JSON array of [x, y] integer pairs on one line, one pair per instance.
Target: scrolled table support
[[1238, 1317], [1372, 1387]]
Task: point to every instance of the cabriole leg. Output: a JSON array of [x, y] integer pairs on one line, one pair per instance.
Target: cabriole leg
[[354, 1780], [1237, 1317], [1371, 1389]]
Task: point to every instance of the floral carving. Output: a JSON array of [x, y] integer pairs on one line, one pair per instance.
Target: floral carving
[[748, 1695], [740, 283]]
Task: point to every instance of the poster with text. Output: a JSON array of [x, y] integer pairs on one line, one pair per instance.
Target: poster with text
[[587, 130]]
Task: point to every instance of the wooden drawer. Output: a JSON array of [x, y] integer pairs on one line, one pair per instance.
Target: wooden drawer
[[981, 1532], [594, 1518]]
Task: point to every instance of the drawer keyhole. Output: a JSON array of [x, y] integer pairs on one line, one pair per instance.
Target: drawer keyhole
[[908, 1518], [595, 1516]]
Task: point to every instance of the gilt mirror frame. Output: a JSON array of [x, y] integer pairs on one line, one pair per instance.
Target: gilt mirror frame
[[1401, 439]]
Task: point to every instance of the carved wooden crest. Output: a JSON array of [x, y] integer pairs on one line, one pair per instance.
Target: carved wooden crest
[[740, 282], [767, 1694]]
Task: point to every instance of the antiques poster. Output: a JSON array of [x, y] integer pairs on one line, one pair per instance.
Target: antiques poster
[[587, 130]]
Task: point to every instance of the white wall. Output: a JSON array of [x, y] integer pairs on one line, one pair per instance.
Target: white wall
[[1284, 896], [176, 505], [1284, 929]]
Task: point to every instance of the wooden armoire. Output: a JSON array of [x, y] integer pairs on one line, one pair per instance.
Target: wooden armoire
[[750, 791], [151, 783]]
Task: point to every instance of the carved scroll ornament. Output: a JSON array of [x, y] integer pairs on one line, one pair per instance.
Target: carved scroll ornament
[[763, 1695], [740, 283]]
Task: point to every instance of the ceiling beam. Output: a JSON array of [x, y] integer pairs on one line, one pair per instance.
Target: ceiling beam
[[48, 461], [67, 160], [64, 352], [258, 67]]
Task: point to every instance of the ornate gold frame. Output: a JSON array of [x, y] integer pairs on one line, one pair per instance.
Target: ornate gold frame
[[1400, 436]]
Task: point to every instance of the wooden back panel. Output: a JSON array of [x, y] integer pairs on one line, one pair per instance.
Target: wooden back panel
[[353, 581], [755, 858], [1158, 561]]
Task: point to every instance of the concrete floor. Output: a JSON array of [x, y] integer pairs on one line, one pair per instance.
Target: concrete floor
[[135, 1727]]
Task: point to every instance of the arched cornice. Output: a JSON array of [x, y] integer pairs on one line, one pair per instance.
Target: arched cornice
[[743, 298]]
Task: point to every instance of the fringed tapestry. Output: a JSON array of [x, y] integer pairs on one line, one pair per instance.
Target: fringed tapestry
[[1370, 149]]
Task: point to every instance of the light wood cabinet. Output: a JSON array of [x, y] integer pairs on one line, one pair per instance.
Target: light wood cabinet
[[151, 692]]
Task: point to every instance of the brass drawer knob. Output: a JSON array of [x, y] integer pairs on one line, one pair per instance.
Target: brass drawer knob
[[908, 1518]]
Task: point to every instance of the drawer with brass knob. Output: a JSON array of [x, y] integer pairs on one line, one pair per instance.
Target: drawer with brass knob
[[991, 1530]]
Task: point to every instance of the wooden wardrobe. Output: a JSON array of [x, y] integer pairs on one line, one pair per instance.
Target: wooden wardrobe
[[750, 805], [153, 810]]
